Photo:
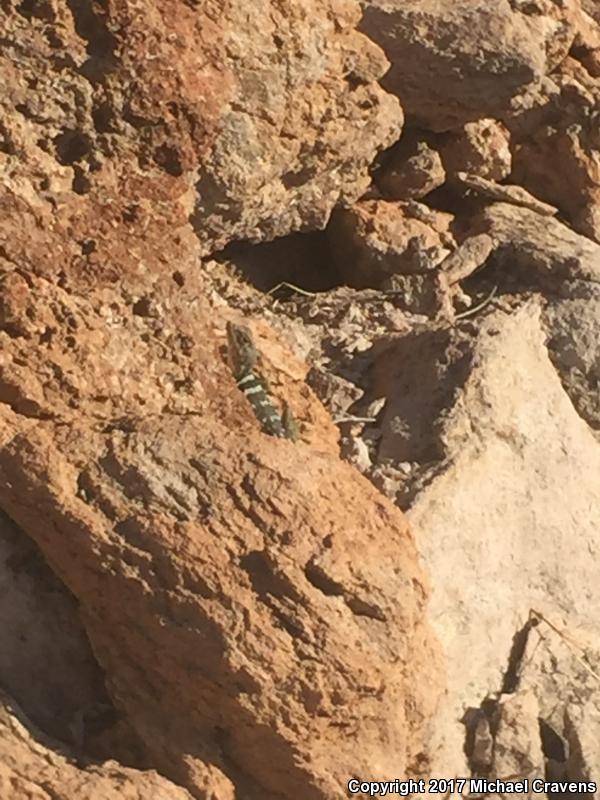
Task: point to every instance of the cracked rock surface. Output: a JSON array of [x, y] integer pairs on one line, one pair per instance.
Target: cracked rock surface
[[399, 199]]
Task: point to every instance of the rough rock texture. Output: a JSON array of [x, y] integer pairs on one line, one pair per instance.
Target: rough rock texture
[[481, 148], [250, 618], [540, 249], [33, 768], [302, 102], [574, 343], [455, 62], [46, 663], [377, 238], [259, 632], [510, 420], [127, 116], [544, 720], [556, 155], [413, 169], [255, 609], [593, 8], [232, 608], [517, 744]]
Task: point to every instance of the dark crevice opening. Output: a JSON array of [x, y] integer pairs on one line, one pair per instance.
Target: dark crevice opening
[[71, 714], [479, 753], [555, 753], [36, 9], [300, 259], [512, 675], [72, 146], [90, 20], [317, 578]]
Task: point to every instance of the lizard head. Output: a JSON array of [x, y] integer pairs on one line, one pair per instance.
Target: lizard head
[[242, 352]]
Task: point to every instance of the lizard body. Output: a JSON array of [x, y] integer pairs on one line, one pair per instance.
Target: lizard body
[[244, 358]]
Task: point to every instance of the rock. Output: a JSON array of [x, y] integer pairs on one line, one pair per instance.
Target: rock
[[509, 486], [505, 193], [413, 170], [386, 244], [557, 664], [517, 744], [592, 7], [556, 147], [481, 148], [334, 391], [586, 47], [428, 295], [539, 250], [468, 257], [375, 239], [234, 621], [314, 79], [456, 62], [32, 767], [237, 616], [481, 753], [359, 455], [583, 732], [253, 126], [573, 326], [417, 395]]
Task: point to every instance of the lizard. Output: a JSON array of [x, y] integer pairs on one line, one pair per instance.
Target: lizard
[[243, 357]]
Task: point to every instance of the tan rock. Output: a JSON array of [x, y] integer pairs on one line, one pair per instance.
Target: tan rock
[[557, 661], [256, 124], [413, 170], [556, 146], [540, 250], [517, 742], [481, 148], [241, 602], [455, 62], [586, 47], [592, 7], [573, 326], [375, 239]]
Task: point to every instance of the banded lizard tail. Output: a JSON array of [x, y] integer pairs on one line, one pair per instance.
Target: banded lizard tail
[[243, 356]]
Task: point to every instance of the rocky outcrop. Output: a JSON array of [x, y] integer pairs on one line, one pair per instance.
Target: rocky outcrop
[[241, 605], [541, 249], [377, 238], [237, 616], [250, 619], [190, 599], [255, 129], [455, 62], [556, 144], [510, 419]]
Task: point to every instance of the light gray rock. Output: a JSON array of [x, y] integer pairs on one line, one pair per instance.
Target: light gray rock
[[510, 501]]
